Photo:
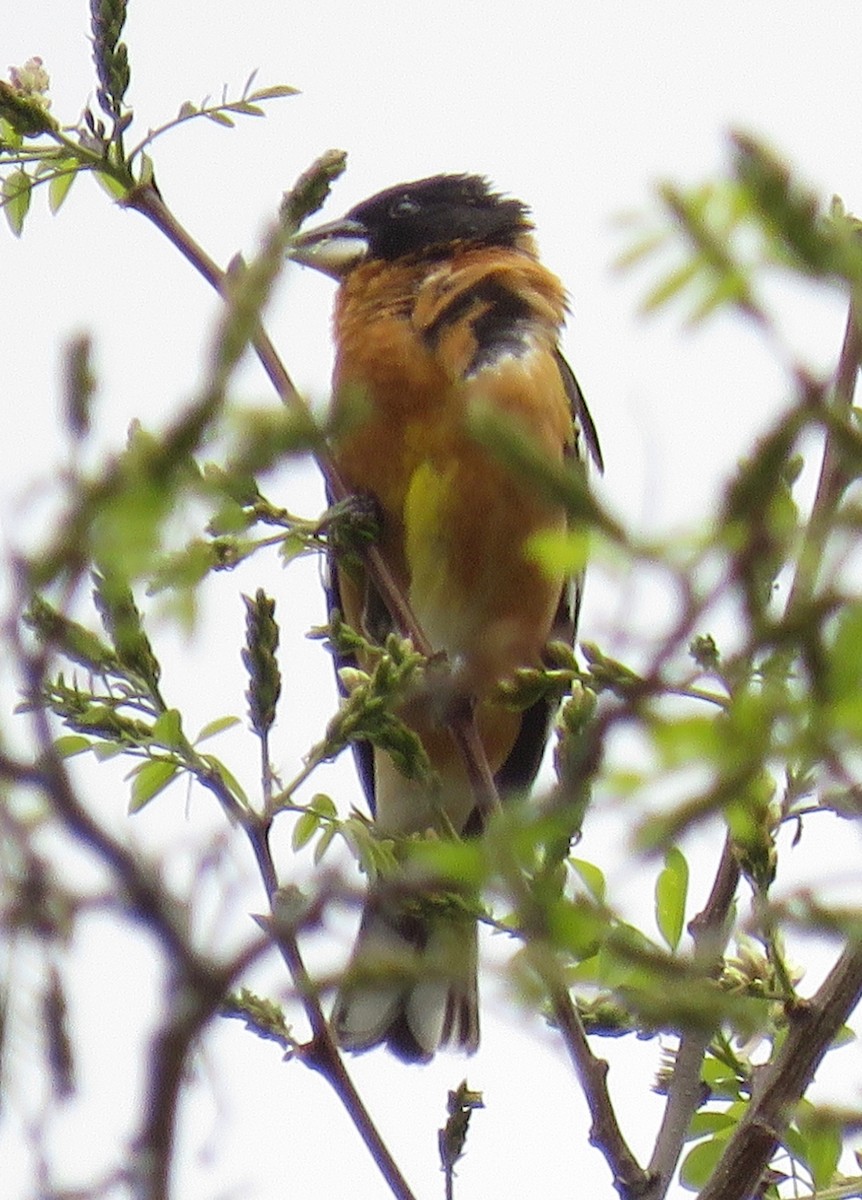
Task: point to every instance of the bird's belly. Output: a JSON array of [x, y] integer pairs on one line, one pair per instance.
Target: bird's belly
[[474, 581]]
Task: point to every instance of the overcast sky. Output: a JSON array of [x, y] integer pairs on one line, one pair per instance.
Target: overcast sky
[[578, 109]]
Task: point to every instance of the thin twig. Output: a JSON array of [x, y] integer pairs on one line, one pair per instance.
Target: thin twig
[[685, 1093], [833, 478], [321, 1053], [630, 1179]]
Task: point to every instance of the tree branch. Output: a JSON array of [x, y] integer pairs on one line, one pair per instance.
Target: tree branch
[[813, 1027], [685, 1094], [630, 1179]]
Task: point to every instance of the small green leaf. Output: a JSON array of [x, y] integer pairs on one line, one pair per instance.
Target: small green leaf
[[150, 779], [17, 188], [323, 842], [305, 829], [167, 729], [671, 285], [591, 876], [276, 92], [220, 118], [248, 110], [671, 891], [58, 188], [71, 744], [226, 777], [323, 805], [819, 1143], [107, 750], [292, 546], [700, 1162], [721, 1079], [219, 725], [115, 189], [703, 1123]]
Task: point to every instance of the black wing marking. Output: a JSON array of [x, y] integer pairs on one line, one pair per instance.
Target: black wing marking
[[583, 420], [363, 752]]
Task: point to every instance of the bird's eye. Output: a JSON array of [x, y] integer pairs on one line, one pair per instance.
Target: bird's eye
[[403, 207]]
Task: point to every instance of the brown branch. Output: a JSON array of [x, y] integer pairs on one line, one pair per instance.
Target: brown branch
[[321, 1053], [685, 1094], [813, 1027], [833, 478], [630, 1179], [198, 984], [708, 929]]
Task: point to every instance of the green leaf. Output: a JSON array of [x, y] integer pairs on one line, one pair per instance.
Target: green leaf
[[671, 892], [248, 110], [700, 1162], [703, 1123], [219, 725], [323, 805], [292, 546], [591, 876], [58, 188], [226, 777], [150, 779], [276, 92], [304, 829], [71, 744], [17, 188], [721, 1079], [576, 926], [687, 740], [220, 118], [845, 665], [113, 186], [324, 842], [671, 285], [107, 750], [819, 1144], [167, 729]]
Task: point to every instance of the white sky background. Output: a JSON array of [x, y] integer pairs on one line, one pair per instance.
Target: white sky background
[[578, 109]]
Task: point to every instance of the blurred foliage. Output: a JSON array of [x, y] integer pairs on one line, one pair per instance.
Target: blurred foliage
[[745, 733]]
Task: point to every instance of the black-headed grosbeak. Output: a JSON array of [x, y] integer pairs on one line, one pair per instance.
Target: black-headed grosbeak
[[442, 303]]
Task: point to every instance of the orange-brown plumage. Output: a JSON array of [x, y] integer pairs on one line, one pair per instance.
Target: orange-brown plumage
[[445, 308]]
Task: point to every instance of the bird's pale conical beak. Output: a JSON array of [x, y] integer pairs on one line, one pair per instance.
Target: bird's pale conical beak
[[333, 248]]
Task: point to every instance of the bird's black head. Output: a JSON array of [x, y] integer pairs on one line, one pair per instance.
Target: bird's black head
[[412, 218], [421, 219]]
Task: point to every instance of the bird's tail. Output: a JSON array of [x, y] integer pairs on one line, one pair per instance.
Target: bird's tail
[[411, 981]]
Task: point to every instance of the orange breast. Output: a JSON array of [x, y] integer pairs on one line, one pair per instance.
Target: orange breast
[[456, 523]]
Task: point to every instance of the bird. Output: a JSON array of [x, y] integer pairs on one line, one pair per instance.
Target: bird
[[443, 305]]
